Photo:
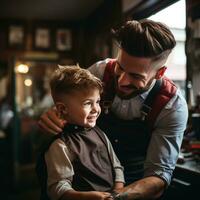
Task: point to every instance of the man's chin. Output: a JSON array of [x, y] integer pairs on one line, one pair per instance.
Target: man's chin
[[133, 94], [123, 95]]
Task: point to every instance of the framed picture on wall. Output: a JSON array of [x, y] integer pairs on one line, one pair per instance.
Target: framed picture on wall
[[16, 36], [42, 38], [63, 40]]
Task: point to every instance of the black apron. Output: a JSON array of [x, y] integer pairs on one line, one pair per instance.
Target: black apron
[[130, 139]]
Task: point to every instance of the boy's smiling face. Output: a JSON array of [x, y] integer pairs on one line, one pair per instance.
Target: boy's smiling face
[[81, 107]]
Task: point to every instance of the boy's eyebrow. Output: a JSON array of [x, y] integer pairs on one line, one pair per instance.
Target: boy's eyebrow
[[91, 99]]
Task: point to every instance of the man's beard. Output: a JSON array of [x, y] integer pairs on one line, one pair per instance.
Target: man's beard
[[135, 93]]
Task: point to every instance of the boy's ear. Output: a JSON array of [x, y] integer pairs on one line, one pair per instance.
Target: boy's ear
[[61, 108], [160, 73]]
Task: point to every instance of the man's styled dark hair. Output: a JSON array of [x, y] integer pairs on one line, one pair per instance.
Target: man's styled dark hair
[[144, 38]]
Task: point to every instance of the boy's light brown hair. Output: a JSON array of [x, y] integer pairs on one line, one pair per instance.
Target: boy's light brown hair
[[67, 79]]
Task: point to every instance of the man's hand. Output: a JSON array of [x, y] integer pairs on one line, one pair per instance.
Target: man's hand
[[90, 195], [147, 188], [50, 122]]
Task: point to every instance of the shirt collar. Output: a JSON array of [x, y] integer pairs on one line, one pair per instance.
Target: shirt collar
[[73, 128], [145, 94]]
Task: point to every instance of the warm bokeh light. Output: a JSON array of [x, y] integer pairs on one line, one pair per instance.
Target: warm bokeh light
[[22, 68], [28, 82]]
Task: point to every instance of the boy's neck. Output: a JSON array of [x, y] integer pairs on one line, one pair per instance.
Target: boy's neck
[[75, 127]]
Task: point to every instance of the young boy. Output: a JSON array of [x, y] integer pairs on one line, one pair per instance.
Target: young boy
[[80, 163]]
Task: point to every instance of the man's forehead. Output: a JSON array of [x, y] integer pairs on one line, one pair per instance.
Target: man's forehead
[[133, 64]]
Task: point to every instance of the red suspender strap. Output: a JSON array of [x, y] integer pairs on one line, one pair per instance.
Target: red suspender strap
[[167, 91], [109, 81]]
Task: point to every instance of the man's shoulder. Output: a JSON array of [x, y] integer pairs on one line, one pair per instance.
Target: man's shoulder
[[174, 94], [98, 68], [177, 101]]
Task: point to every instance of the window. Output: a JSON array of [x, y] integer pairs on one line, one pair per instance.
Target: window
[[177, 60]]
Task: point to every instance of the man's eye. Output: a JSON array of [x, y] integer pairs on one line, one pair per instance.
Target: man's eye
[[135, 76]]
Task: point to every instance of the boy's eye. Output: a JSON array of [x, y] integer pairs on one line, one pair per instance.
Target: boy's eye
[[98, 101], [87, 103]]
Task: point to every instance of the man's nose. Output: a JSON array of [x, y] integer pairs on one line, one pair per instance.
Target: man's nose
[[124, 79]]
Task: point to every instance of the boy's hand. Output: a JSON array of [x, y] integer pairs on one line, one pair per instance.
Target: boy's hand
[[118, 186], [50, 122], [95, 195]]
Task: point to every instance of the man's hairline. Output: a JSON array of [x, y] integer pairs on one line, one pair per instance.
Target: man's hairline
[[157, 58]]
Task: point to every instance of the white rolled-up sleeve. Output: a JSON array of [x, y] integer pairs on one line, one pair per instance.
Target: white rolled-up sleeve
[[59, 169], [166, 140]]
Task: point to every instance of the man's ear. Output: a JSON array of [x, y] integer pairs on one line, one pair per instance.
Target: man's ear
[[160, 73]]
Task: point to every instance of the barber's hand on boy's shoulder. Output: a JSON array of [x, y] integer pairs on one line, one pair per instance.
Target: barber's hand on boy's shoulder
[[50, 121]]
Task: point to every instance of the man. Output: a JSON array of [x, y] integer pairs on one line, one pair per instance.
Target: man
[[144, 113]]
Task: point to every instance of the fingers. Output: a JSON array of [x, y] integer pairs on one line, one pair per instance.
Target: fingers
[[53, 116], [107, 196], [48, 125], [50, 122], [107, 193], [45, 128]]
